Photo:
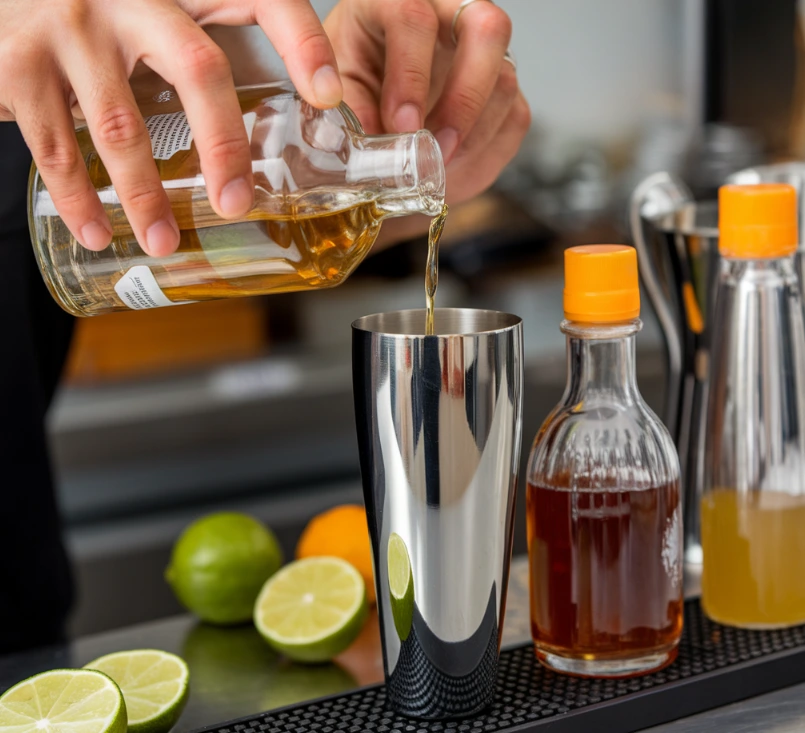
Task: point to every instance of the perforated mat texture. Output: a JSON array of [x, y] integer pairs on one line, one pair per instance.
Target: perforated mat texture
[[716, 665]]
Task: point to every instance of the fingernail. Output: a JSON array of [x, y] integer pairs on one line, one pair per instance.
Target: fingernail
[[96, 235], [447, 138], [327, 86], [237, 197], [161, 238], [407, 118]]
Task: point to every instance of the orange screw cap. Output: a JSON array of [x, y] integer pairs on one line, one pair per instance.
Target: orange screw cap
[[601, 284], [757, 221]]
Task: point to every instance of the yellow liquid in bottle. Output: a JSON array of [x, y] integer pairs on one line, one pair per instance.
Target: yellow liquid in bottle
[[754, 558]]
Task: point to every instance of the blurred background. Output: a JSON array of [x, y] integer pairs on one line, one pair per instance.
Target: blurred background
[[167, 414]]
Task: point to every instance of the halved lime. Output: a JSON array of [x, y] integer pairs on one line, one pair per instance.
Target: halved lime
[[312, 609], [154, 684], [64, 701], [401, 586]]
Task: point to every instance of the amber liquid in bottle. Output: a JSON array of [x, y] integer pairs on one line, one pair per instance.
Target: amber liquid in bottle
[[603, 508], [603, 583]]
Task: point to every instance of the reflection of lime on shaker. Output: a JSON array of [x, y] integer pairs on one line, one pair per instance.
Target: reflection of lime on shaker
[[401, 586]]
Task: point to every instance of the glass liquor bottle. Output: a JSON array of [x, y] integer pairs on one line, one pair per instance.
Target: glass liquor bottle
[[753, 505], [322, 189], [603, 508]]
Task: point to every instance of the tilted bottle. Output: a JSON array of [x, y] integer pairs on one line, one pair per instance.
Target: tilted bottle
[[753, 505], [603, 512], [322, 188]]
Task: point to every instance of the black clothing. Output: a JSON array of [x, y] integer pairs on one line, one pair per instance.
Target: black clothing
[[35, 580]]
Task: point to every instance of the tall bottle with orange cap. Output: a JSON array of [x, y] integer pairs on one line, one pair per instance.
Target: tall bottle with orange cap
[[753, 508], [604, 515]]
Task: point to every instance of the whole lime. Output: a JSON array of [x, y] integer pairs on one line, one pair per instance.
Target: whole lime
[[220, 563]]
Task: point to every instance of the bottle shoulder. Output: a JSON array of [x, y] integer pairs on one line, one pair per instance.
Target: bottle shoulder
[[603, 445]]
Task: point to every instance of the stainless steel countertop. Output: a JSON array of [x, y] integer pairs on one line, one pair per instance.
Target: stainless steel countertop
[[234, 674], [782, 711]]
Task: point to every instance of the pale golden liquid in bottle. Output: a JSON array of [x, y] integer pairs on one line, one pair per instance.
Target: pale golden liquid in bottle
[[217, 258], [299, 253], [432, 267]]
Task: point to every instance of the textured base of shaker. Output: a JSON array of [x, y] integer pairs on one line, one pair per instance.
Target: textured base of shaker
[[419, 689]]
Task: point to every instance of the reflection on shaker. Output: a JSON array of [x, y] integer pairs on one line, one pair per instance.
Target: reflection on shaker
[[401, 586]]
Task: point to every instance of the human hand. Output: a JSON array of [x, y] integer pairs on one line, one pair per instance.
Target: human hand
[[401, 71], [60, 55]]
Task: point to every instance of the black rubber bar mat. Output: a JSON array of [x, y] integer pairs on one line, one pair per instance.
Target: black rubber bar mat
[[716, 665]]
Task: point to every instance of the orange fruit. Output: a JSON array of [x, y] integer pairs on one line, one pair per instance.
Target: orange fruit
[[341, 532]]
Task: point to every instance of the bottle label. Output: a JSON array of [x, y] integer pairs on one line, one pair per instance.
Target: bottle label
[[139, 290], [171, 133]]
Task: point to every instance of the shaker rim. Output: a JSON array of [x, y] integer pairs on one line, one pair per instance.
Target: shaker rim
[[410, 323]]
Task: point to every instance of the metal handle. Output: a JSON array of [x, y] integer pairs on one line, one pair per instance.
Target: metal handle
[[659, 195]]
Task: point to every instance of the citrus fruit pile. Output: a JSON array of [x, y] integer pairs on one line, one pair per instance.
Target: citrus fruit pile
[[226, 568]]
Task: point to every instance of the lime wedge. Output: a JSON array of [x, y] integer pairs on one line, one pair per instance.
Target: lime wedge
[[401, 586], [154, 684], [312, 609], [64, 701]]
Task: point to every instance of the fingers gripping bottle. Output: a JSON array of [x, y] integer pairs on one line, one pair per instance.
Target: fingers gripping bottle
[[603, 509], [753, 507], [322, 189]]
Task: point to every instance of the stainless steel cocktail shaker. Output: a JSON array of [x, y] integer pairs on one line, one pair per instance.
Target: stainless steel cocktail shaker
[[439, 422]]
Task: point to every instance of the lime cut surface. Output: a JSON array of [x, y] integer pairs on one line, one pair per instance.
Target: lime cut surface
[[312, 609], [64, 701], [401, 586], [155, 685]]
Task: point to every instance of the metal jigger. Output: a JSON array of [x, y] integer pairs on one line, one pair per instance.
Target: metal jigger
[[439, 422]]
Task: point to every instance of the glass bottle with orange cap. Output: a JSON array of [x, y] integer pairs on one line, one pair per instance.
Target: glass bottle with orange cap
[[603, 512], [753, 508]]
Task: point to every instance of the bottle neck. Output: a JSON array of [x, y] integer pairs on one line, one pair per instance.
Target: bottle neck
[[406, 171], [601, 362], [762, 272]]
